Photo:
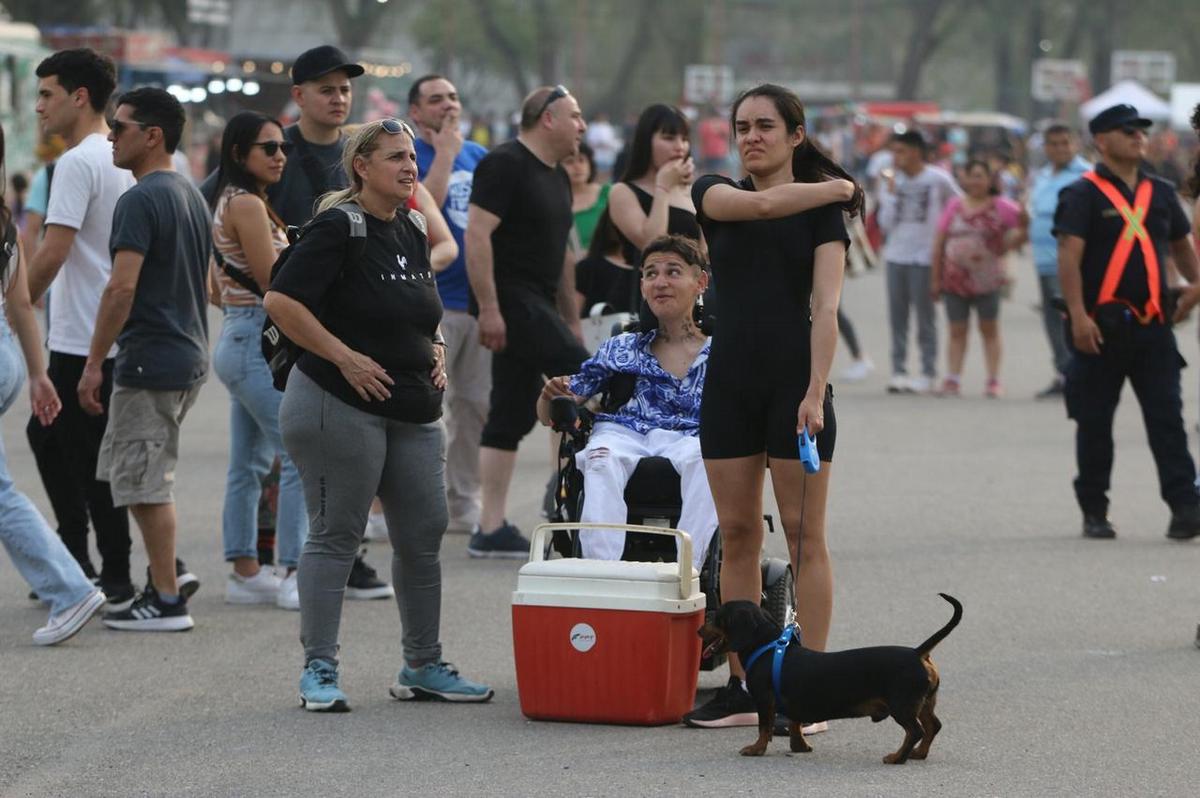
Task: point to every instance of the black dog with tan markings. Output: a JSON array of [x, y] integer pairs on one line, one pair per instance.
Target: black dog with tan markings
[[815, 686]]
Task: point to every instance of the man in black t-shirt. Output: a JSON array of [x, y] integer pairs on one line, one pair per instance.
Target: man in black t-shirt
[[321, 90], [1116, 227], [523, 283]]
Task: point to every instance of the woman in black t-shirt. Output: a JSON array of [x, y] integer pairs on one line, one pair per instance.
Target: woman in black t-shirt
[[777, 244], [361, 412], [653, 198], [604, 277]]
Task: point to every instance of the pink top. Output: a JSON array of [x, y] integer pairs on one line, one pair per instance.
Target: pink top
[[973, 258]]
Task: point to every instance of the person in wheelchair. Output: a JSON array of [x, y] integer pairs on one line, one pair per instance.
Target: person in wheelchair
[[662, 418]]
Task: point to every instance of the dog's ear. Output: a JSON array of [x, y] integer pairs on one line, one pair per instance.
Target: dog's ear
[[746, 625]]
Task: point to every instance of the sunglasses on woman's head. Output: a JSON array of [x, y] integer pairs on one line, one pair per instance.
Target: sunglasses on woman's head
[[272, 147], [395, 127]]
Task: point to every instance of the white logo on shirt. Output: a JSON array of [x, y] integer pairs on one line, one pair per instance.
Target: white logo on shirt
[[458, 197]]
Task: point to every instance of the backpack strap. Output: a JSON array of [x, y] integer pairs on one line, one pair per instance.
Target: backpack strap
[[358, 228]]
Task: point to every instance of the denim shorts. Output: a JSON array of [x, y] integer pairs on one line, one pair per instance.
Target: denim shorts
[[958, 308]]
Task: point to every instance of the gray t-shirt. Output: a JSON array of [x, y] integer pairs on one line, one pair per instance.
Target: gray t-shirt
[[311, 170], [910, 214], [164, 344]]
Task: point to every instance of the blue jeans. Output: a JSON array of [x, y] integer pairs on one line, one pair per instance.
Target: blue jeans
[[254, 443], [36, 551]]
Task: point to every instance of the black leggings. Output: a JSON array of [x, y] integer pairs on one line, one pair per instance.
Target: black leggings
[[846, 328]]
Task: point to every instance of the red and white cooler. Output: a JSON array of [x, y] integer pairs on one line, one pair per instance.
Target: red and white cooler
[[597, 641]]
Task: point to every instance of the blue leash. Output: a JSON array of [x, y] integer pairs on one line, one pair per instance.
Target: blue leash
[[790, 633]]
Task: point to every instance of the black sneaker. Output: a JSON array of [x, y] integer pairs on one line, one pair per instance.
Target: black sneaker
[[149, 613], [186, 582], [505, 543], [731, 706], [120, 596], [1098, 527], [364, 582], [1185, 523]]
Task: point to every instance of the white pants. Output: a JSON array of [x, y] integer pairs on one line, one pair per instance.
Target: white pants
[[607, 462]]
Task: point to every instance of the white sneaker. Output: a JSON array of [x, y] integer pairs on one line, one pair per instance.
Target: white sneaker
[[288, 597], [262, 588], [376, 527], [899, 383], [65, 624], [920, 384], [815, 728], [858, 370]]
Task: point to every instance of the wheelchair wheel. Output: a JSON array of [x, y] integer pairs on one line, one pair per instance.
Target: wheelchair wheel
[[779, 598]]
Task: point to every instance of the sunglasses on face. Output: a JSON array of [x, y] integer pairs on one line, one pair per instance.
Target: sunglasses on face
[[118, 127], [272, 147], [559, 92], [1132, 130]]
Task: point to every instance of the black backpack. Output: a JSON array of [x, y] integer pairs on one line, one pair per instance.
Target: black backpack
[[280, 352]]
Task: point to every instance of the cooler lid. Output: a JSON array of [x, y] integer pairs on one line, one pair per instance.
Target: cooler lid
[[602, 584]]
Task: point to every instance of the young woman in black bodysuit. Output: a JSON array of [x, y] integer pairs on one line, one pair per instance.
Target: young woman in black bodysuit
[[777, 243]]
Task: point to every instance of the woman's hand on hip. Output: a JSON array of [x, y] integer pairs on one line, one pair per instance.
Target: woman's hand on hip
[[366, 377], [439, 366]]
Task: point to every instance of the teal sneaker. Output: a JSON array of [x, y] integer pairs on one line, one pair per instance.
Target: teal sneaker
[[438, 681], [319, 690]]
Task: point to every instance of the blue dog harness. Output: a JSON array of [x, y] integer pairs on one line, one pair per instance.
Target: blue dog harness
[[790, 633]]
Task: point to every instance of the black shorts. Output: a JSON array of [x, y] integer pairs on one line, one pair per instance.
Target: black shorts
[[538, 343], [738, 419]]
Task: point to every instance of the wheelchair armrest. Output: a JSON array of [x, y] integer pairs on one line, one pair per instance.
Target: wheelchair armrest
[[564, 414]]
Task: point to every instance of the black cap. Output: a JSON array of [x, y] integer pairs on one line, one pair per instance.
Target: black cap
[[312, 64], [1117, 116]]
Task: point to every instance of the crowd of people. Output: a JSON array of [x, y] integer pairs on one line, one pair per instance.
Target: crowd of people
[[423, 298]]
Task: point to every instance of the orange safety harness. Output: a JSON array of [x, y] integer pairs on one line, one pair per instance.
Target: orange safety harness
[[1134, 230]]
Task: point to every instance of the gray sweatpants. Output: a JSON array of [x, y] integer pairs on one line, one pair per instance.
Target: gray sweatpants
[[345, 457], [908, 286]]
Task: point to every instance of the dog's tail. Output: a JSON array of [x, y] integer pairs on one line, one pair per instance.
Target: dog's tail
[[940, 634]]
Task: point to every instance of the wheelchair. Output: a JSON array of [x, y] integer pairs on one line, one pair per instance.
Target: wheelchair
[[653, 499]]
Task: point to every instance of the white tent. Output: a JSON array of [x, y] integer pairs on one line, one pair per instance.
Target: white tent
[[1129, 92]]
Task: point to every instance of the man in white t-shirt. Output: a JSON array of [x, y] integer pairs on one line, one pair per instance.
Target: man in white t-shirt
[[73, 90]]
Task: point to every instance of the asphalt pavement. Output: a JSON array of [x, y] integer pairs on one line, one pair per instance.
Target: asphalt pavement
[[1074, 671]]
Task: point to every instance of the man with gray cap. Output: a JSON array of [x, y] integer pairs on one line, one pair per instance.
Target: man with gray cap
[[1116, 226]]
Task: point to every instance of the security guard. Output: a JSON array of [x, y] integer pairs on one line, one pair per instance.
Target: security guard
[[1116, 227]]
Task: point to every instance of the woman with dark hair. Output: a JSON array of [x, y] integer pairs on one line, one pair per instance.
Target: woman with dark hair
[[604, 277], [36, 551], [653, 198], [777, 242], [973, 234], [588, 198], [248, 236]]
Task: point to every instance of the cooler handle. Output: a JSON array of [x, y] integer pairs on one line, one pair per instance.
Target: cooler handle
[[537, 546]]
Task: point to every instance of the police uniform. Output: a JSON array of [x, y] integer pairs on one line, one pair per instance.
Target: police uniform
[[1127, 235]]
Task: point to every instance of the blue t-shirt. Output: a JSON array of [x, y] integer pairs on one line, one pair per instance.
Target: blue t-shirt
[[452, 282]]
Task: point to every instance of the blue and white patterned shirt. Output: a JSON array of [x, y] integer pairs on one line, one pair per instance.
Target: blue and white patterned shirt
[[660, 399]]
